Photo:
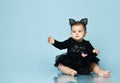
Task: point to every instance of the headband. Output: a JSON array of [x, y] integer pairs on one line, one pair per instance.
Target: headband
[[84, 21]]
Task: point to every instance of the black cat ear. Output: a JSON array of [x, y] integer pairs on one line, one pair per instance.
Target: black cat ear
[[84, 21], [71, 22]]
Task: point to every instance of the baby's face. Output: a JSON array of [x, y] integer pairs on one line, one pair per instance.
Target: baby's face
[[78, 32]]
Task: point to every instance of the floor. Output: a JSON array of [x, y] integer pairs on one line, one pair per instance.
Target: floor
[[48, 74], [81, 79], [36, 77]]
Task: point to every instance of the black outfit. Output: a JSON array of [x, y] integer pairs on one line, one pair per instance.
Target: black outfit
[[73, 58]]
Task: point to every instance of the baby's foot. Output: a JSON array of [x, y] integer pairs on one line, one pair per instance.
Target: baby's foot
[[73, 73], [104, 74]]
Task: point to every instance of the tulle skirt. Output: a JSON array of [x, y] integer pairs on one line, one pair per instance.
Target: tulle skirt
[[75, 61]]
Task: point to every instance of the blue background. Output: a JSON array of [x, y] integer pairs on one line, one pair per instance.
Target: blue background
[[25, 54]]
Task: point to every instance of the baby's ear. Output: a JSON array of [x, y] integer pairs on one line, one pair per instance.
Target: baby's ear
[[84, 21], [71, 22]]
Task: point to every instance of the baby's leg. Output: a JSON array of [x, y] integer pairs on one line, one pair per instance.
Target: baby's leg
[[67, 70], [99, 71]]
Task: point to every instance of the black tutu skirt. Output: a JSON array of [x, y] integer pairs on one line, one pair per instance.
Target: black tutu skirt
[[75, 61]]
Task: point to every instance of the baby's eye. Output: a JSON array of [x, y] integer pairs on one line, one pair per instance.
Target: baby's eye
[[79, 31], [73, 31]]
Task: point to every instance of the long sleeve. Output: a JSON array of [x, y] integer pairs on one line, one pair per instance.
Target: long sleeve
[[90, 49], [61, 45]]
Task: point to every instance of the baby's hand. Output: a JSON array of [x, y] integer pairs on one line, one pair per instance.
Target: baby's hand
[[96, 51], [51, 40]]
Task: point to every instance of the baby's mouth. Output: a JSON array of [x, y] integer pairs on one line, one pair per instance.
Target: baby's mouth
[[76, 36]]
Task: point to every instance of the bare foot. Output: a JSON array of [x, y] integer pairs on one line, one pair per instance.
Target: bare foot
[[73, 73], [104, 74]]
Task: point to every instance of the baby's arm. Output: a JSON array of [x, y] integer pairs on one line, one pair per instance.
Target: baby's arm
[[51, 40], [96, 51], [91, 48], [57, 44]]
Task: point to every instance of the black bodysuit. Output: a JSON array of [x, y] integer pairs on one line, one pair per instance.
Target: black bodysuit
[[79, 55]]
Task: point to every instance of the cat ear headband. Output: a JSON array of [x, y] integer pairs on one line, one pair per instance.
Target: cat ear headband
[[84, 21]]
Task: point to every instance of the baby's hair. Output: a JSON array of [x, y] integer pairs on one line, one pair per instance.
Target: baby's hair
[[78, 23]]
